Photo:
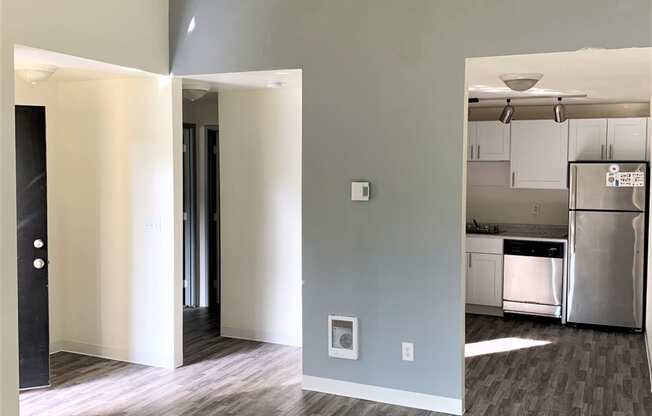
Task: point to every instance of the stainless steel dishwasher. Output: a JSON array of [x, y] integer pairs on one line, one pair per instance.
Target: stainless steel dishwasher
[[533, 277]]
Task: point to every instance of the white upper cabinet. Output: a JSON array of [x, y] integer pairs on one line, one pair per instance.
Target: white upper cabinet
[[608, 139], [472, 132], [627, 139], [488, 141], [539, 154], [587, 139]]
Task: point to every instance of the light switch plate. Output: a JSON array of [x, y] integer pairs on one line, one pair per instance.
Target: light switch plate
[[360, 191], [407, 351]]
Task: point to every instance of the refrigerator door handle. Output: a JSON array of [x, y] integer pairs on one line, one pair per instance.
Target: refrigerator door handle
[[573, 187], [571, 233]]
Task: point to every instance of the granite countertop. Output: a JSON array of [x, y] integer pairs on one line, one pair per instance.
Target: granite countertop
[[529, 231]]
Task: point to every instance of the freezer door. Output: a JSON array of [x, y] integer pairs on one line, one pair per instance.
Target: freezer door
[[589, 190], [606, 268]]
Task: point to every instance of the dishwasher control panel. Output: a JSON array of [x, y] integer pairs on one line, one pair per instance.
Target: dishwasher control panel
[[534, 248]]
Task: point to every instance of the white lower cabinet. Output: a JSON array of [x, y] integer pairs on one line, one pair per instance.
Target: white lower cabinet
[[484, 279]]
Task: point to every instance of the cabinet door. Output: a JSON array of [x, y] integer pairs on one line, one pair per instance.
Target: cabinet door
[[539, 155], [492, 140], [484, 279], [587, 139], [627, 138], [472, 133]]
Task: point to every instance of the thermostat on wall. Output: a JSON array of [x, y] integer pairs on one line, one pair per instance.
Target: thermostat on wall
[[360, 191], [343, 337]]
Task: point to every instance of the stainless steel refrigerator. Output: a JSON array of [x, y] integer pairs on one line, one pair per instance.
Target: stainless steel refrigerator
[[607, 243]]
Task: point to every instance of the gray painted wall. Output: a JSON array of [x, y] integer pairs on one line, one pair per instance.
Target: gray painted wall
[[383, 85]]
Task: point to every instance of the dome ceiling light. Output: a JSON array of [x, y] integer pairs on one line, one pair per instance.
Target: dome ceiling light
[[35, 74], [521, 82], [194, 90]]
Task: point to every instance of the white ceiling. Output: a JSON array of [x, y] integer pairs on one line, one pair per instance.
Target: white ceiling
[[607, 76], [72, 68], [290, 78]]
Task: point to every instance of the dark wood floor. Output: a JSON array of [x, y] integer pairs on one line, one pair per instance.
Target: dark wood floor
[[581, 372]]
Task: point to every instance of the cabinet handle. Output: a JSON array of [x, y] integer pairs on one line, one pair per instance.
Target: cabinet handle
[[602, 152], [513, 179], [472, 152], [470, 261], [478, 152], [611, 151]]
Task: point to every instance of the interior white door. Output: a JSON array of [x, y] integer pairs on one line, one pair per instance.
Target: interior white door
[[539, 154], [627, 138], [492, 140], [471, 134], [587, 139], [484, 281]]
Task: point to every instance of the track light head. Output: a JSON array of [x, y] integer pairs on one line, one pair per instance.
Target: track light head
[[508, 113], [559, 111]]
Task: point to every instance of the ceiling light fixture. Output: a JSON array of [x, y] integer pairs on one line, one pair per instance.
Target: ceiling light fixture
[[194, 90], [36, 73], [521, 82], [276, 84], [559, 111], [508, 113]]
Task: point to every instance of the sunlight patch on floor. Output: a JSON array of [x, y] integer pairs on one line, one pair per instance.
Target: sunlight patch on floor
[[495, 346]]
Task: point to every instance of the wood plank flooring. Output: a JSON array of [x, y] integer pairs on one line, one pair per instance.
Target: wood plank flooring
[[581, 372]]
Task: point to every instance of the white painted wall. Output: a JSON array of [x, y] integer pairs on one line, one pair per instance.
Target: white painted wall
[[260, 161], [123, 32], [202, 113], [110, 210]]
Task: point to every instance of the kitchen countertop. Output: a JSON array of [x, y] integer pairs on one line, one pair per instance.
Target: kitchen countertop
[[557, 233]]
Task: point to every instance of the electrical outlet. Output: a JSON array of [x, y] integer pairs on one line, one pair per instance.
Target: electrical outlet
[[408, 351], [536, 209]]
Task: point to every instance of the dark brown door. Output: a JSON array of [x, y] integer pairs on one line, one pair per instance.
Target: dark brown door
[[31, 196], [213, 197]]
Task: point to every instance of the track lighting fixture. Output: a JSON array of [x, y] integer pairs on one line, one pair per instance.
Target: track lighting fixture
[[559, 111], [508, 112]]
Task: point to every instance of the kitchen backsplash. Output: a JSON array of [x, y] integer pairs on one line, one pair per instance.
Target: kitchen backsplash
[[490, 199]]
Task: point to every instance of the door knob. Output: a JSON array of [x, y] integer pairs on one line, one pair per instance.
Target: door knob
[[39, 263], [38, 243]]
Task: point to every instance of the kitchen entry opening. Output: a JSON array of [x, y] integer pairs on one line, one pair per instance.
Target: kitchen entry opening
[[247, 134], [556, 162]]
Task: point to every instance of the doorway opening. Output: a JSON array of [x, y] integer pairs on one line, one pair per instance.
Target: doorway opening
[[190, 274], [95, 204], [531, 120], [248, 198]]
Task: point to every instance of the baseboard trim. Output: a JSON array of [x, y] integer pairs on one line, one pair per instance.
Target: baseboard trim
[[258, 336], [484, 310], [383, 395], [649, 355], [111, 353]]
